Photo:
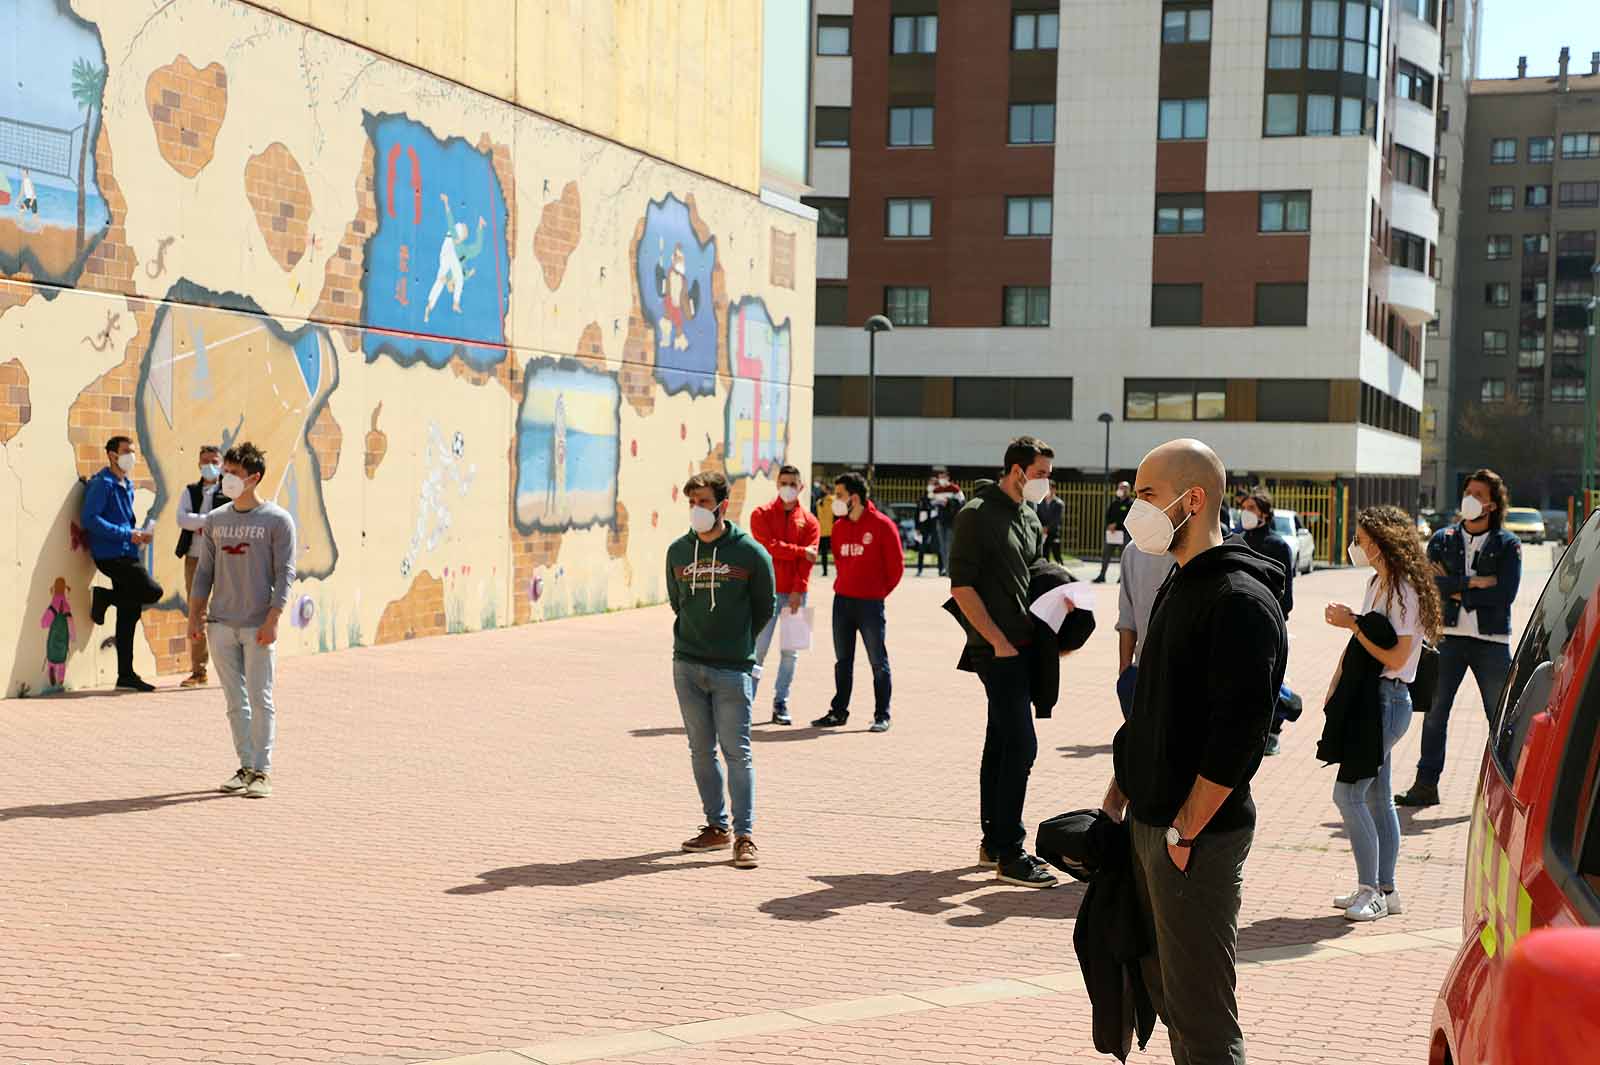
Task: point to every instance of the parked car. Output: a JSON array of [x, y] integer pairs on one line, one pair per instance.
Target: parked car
[[1290, 526], [1527, 523], [1555, 525], [1533, 858]]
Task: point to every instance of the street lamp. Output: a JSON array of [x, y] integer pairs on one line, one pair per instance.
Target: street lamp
[[875, 325], [1588, 401], [1106, 420]]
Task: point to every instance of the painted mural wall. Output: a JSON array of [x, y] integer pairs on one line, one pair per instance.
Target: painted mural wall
[[482, 349]]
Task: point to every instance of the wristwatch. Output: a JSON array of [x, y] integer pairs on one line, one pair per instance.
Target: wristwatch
[[1174, 839]]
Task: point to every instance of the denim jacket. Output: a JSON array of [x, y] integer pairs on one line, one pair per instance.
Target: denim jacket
[[1499, 557]]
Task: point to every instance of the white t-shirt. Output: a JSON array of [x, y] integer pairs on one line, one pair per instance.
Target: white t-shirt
[[1467, 620], [1405, 613]]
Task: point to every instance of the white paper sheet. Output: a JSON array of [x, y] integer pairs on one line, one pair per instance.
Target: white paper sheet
[[1051, 607], [794, 628], [1116, 536]]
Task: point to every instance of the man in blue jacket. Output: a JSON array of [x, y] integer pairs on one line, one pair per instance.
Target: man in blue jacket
[[1478, 568], [114, 542]]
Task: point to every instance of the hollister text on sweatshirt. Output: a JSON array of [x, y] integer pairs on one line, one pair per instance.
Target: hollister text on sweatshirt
[[246, 564]]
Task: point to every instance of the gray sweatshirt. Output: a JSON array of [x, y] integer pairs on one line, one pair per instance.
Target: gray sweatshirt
[[246, 564]]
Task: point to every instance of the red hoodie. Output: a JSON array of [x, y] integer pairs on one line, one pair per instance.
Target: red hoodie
[[786, 534], [871, 559]]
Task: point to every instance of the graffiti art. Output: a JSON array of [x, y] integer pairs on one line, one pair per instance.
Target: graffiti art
[[757, 419], [674, 270], [568, 446]]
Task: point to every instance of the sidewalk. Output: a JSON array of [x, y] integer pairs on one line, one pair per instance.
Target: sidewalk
[[472, 850]]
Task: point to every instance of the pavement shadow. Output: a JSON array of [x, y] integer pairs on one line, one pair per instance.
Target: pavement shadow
[[1410, 824], [97, 807], [930, 893], [1293, 931], [776, 734], [1085, 750], [579, 873]]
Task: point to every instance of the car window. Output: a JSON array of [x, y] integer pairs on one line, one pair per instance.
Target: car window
[[1552, 623], [1282, 524]]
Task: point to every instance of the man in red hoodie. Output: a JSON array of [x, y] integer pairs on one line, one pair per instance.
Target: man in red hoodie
[[866, 543], [789, 533]]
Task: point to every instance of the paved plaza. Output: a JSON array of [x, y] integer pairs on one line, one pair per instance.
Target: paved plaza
[[471, 856]]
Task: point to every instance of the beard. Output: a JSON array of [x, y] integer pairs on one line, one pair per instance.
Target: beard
[[1186, 533]]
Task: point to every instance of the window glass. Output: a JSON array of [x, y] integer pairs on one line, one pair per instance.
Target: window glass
[[1027, 305], [1194, 119], [833, 35], [1169, 219], [1325, 18], [1200, 25], [1499, 247], [1044, 123], [1024, 32], [1139, 404], [1323, 54], [1281, 304], [1350, 110], [1537, 196], [1319, 115], [906, 306], [1049, 30], [1541, 149], [1503, 150], [983, 397], [1297, 213], [1286, 16], [1176, 304], [831, 303], [900, 397], [1017, 213], [1501, 198], [832, 215], [1174, 404], [1171, 128], [1041, 217], [1283, 53], [1042, 399], [833, 127], [1492, 391], [1494, 342], [1292, 400], [1028, 216], [1283, 114], [1210, 401], [1174, 27]]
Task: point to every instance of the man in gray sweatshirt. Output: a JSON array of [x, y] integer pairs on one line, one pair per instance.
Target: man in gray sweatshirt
[[241, 587]]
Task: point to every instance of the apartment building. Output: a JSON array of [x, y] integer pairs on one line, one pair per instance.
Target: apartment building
[[1530, 201], [1209, 218]]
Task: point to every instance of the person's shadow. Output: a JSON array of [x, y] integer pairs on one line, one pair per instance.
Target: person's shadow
[[1085, 750], [96, 807], [930, 893], [757, 735], [1293, 931], [579, 873], [1410, 824]]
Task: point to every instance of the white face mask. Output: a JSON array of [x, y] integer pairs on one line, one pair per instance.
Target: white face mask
[[127, 461], [1035, 489], [232, 485], [1151, 529], [788, 493], [702, 519], [1358, 557], [841, 507], [1249, 519], [1471, 509], [210, 471]]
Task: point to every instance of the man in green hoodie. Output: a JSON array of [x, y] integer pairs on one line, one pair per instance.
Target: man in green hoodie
[[720, 585]]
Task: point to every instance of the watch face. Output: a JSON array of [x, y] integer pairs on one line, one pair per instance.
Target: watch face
[[1173, 837]]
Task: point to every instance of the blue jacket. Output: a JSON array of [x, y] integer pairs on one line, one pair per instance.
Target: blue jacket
[[1499, 557], [108, 516]]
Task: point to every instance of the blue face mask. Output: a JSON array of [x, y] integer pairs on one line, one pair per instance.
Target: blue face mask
[[211, 471]]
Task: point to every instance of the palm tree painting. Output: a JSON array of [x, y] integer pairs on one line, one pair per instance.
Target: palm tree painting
[[88, 83]]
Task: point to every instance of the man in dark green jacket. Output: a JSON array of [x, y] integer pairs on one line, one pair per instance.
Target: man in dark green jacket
[[720, 585]]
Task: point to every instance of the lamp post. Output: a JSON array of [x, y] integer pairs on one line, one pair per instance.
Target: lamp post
[[875, 325], [1588, 401], [1106, 419]]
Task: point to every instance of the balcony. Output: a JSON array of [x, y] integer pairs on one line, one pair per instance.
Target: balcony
[[1412, 210], [1415, 126], [1412, 295], [1416, 41]]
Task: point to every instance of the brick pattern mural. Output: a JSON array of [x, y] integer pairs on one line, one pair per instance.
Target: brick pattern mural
[[281, 199], [111, 263], [326, 440], [340, 301], [187, 107], [530, 554], [106, 407], [420, 612], [16, 408], [782, 259], [167, 632], [377, 444], [16, 293], [560, 229]]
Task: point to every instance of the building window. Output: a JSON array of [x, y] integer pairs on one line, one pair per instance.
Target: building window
[[910, 127], [1447, 65], [831, 303], [1535, 298], [1502, 198], [1568, 342], [1292, 400], [1412, 167], [1028, 216], [909, 218], [1495, 293], [833, 215], [1415, 84], [1541, 149], [833, 127], [1444, 120], [913, 34], [1013, 398], [833, 35], [1528, 389], [1433, 326], [1181, 213], [1426, 10], [1286, 212], [1493, 390], [1499, 247], [1285, 28], [1183, 120], [1410, 252], [1283, 114], [1494, 343], [1026, 305], [1503, 150], [1430, 372], [1443, 170], [1176, 304], [1567, 390], [1536, 244], [1032, 124], [1580, 146], [1530, 350], [1573, 291], [1035, 31], [1281, 304], [983, 397], [1536, 196], [1146, 400], [1580, 194], [906, 306], [1185, 24]]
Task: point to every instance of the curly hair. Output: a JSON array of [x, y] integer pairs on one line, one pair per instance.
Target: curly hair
[[1395, 535]]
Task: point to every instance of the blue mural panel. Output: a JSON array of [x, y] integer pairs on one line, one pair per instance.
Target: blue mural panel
[[757, 417], [438, 281], [674, 271], [568, 449]]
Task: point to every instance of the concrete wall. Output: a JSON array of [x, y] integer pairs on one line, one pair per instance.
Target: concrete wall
[[260, 244]]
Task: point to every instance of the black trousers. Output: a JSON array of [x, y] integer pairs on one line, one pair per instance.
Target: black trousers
[[1009, 748], [132, 589], [1052, 545], [823, 544]]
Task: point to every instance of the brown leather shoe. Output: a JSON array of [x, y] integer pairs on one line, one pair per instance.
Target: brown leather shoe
[[745, 855], [197, 679], [711, 838]]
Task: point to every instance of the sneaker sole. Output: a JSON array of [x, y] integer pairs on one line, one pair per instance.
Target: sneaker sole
[[746, 864], [1002, 878], [706, 850]]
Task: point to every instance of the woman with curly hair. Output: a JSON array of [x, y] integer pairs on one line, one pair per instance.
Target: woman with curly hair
[[1403, 591]]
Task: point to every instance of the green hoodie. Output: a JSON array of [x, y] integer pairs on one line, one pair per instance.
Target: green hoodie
[[722, 594]]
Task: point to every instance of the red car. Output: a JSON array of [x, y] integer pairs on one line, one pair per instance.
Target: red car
[[1516, 995]]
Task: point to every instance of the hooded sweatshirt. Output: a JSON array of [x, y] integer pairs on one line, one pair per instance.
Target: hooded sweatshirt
[[868, 552], [722, 595], [1208, 683]]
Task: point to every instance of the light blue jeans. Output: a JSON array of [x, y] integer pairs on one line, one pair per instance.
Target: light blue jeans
[[1367, 805], [246, 671], [715, 704], [787, 660]]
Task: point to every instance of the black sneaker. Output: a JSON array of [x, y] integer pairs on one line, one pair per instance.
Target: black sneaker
[[880, 724], [99, 603], [135, 684], [832, 719], [1420, 795], [1273, 744], [1026, 871], [780, 714]]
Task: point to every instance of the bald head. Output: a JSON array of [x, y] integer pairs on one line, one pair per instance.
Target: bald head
[[1178, 466]]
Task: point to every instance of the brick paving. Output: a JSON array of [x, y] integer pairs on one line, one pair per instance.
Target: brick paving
[[472, 848]]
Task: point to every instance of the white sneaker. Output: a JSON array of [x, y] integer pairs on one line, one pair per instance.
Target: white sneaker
[[260, 786], [1391, 898], [236, 783], [1369, 905]]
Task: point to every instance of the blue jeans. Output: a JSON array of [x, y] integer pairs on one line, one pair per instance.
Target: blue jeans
[[246, 671], [787, 660], [715, 704], [865, 616], [1367, 805], [1490, 663]]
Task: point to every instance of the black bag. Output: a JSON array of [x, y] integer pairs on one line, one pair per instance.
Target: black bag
[[1427, 681]]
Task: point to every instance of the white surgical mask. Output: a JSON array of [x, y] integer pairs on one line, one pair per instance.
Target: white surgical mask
[[702, 520], [1358, 556], [841, 507], [788, 493], [1151, 529], [1035, 489], [211, 471], [1471, 509], [1249, 519], [232, 485], [127, 461]]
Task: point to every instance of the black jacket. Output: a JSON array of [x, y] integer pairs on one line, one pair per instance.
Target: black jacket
[[1208, 682], [1263, 541], [1352, 736], [1117, 513], [1108, 934], [997, 541], [197, 494]]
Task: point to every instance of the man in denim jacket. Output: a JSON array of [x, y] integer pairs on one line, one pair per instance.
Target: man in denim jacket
[[1478, 567]]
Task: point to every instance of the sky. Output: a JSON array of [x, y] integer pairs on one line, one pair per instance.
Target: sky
[[1537, 29]]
